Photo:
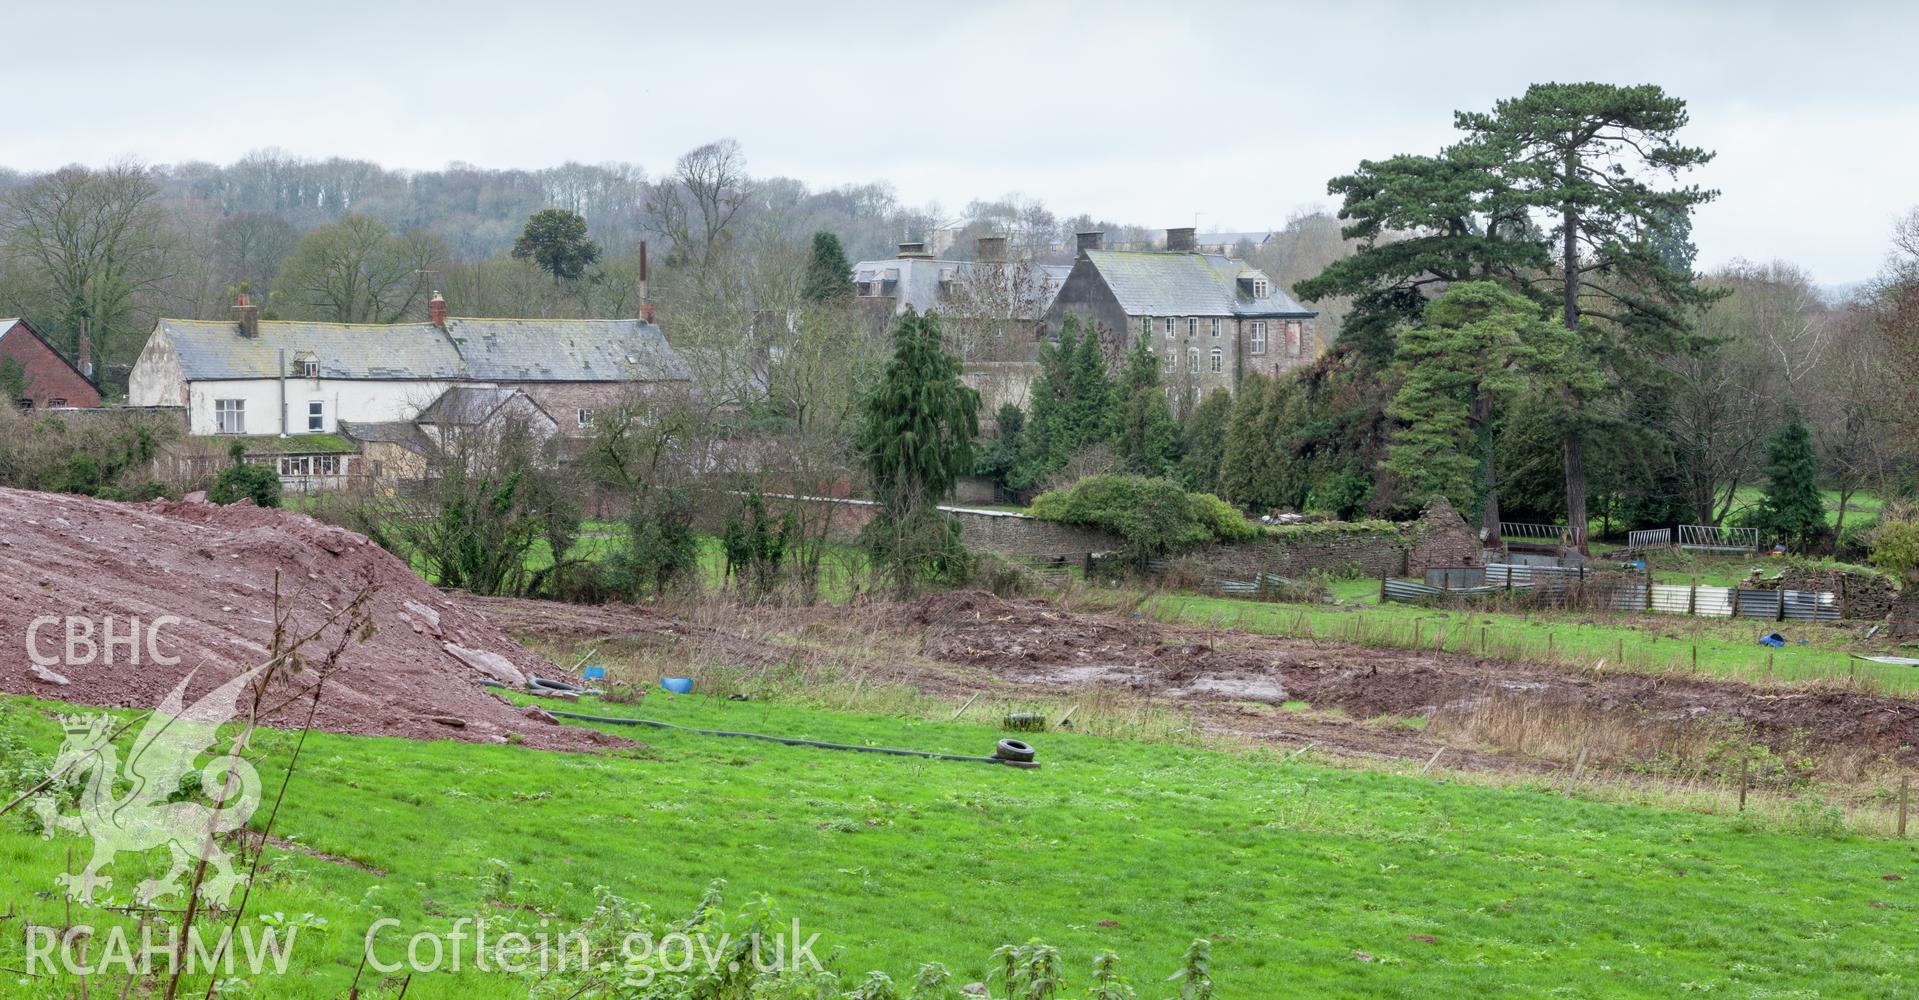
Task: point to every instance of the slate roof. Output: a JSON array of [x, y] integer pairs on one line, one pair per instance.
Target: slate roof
[[465, 404], [918, 280], [565, 350], [516, 350], [1154, 283], [404, 433]]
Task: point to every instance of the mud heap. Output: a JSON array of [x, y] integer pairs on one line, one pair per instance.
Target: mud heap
[[198, 582]]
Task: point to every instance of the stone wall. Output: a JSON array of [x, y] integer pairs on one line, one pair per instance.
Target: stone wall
[[1002, 532], [1861, 595], [1364, 552], [1441, 538]]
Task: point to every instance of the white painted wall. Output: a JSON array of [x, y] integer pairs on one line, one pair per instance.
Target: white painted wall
[[344, 399], [155, 379]]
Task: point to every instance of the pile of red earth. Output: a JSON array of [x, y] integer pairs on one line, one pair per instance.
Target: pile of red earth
[[199, 583]]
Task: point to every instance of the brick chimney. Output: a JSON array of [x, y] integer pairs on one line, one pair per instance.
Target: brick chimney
[[436, 311], [908, 250], [991, 249], [247, 315], [1181, 240], [1094, 240]]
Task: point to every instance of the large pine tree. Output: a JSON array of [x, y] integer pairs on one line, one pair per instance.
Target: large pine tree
[[1792, 511], [1148, 439], [1073, 404], [916, 440]]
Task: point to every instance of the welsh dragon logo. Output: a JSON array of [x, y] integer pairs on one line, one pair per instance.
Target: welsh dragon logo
[[145, 815]]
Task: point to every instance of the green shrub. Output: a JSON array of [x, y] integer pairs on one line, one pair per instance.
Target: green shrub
[[1153, 516], [1223, 519], [245, 481], [1895, 548]]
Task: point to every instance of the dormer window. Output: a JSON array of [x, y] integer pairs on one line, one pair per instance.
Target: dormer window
[[1259, 288], [310, 368]]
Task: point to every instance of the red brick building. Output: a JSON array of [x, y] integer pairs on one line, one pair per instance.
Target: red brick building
[[50, 379]]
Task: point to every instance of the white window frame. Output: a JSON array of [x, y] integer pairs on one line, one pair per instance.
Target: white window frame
[[1219, 361], [1146, 326], [1259, 336], [1260, 288], [1216, 325], [1192, 360], [316, 416], [229, 416], [584, 415], [1192, 326], [310, 369], [1170, 321]]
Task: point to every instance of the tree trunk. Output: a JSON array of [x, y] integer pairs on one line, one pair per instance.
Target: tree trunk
[[1575, 444], [1482, 416]]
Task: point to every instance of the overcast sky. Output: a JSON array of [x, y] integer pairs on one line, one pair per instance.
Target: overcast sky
[[1160, 114]]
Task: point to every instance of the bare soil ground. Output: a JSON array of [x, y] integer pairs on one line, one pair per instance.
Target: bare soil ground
[[214, 569], [1487, 713]]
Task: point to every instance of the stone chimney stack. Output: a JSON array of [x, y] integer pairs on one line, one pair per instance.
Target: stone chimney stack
[[1181, 240], [1089, 241], [247, 315], [436, 311], [990, 249], [909, 250]]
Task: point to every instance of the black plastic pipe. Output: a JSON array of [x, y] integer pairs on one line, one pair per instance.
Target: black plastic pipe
[[786, 740]]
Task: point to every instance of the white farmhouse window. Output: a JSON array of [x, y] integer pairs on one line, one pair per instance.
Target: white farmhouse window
[[1215, 326], [1192, 360], [310, 369], [229, 416], [1259, 336], [1218, 359], [1259, 288], [585, 417], [1192, 326], [1169, 325], [316, 415]]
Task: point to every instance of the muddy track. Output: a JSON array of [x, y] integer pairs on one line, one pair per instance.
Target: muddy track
[[1489, 714]]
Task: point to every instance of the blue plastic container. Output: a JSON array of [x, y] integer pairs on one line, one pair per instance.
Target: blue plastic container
[[677, 685]]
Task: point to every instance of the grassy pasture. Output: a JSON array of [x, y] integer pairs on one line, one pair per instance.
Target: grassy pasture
[[1309, 879]]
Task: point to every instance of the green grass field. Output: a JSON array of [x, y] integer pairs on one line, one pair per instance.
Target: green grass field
[[1309, 880], [1651, 644]]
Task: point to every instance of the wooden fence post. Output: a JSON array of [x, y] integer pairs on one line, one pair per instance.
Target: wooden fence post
[[1782, 605], [1692, 599], [1904, 780], [1745, 773]]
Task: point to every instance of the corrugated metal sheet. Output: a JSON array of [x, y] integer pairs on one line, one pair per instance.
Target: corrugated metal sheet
[[1410, 591], [1714, 602], [1672, 599]]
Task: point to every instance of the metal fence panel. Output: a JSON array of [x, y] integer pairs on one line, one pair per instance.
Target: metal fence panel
[[1811, 606], [1631, 597], [1714, 602], [1705, 536], [1758, 603], [1409, 591], [1651, 538], [1672, 599]]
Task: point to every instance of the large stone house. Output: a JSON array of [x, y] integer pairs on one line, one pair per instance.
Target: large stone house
[[250, 376], [307, 381], [45, 377], [917, 279], [1213, 319]]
